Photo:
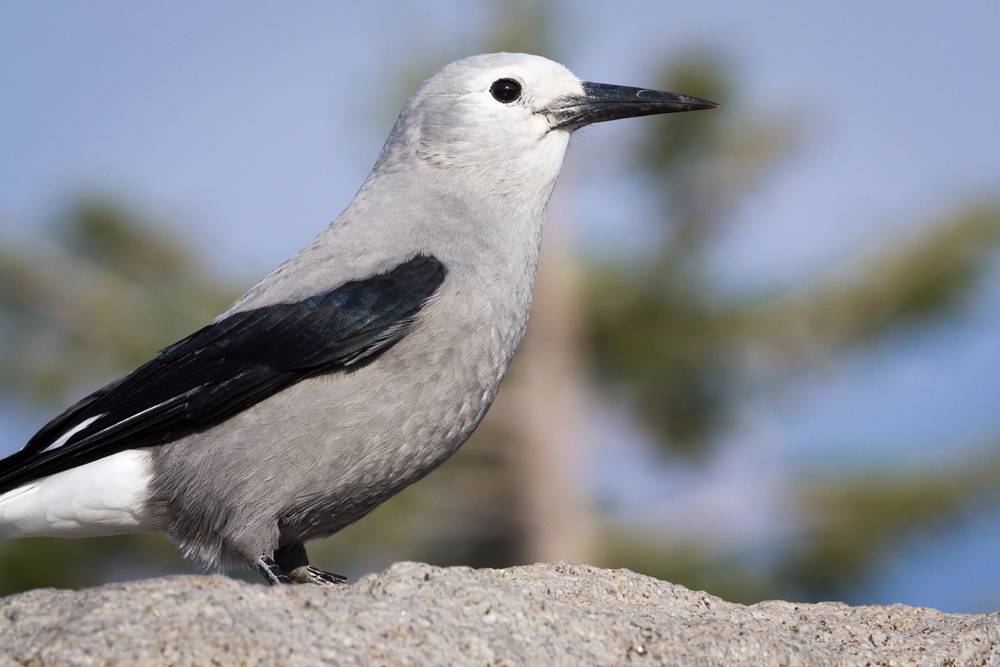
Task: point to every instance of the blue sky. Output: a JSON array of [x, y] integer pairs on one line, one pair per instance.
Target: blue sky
[[250, 125]]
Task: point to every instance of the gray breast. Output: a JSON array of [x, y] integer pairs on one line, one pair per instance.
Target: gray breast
[[396, 420], [324, 452]]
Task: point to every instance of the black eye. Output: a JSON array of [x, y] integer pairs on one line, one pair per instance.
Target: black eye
[[505, 90]]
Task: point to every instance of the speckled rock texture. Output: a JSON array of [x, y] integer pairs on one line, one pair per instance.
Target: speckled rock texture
[[413, 614]]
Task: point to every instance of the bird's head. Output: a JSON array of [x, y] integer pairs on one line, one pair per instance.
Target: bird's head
[[507, 117]]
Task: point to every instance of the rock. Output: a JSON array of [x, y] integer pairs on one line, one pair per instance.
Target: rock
[[413, 614]]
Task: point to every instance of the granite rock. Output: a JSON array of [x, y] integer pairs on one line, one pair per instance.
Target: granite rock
[[415, 614]]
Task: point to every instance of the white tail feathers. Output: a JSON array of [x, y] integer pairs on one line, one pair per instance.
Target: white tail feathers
[[105, 497]]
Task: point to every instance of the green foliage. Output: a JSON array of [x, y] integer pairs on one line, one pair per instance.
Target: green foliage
[[900, 284], [658, 339], [654, 325], [659, 330], [100, 297], [849, 524], [106, 291], [689, 564], [43, 562], [853, 521]]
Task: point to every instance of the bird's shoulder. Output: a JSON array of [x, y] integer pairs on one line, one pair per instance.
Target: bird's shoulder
[[318, 269]]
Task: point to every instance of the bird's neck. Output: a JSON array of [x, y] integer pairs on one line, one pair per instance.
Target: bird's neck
[[466, 213]]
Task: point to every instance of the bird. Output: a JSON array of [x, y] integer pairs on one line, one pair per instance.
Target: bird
[[357, 366]]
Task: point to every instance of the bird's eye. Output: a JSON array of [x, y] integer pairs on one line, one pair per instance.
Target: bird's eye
[[505, 90]]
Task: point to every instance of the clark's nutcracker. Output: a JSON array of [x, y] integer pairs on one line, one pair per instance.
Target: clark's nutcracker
[[354, 368]]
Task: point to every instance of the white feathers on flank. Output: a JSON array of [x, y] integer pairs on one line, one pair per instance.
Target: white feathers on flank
[[105, 497]]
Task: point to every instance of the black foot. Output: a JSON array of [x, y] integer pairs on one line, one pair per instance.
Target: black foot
[[271, 572], [292, 559]]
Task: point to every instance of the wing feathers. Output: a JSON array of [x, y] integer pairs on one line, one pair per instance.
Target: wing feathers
[[228, 366]]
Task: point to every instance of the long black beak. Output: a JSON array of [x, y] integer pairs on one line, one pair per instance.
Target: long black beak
[[604, 101]]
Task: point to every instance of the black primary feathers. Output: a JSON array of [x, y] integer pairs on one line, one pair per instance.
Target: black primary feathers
[[228, 366]]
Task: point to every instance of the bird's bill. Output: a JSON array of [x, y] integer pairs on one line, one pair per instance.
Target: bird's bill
[[605, 101]]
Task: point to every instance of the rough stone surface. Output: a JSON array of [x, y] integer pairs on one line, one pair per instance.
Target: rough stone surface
[[413, 614]]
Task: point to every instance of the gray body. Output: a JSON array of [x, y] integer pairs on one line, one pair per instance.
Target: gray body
[[319, 455], [461, 186]]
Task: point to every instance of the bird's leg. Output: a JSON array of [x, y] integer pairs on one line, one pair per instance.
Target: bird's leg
[[293, 560], [271, 571]]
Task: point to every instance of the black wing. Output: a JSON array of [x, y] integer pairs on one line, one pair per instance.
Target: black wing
[[228, 366]]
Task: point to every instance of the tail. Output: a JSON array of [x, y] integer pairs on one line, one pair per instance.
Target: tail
[[16, 508], [104, 497]]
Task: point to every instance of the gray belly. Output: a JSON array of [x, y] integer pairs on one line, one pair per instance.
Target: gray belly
[[324, 452], [396, 425]]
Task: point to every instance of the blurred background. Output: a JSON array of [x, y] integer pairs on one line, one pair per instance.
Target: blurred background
[[764, 358]]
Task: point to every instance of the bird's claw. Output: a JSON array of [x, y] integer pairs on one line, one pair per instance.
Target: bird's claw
[[304, 574], [313, 575], [271, 572]]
